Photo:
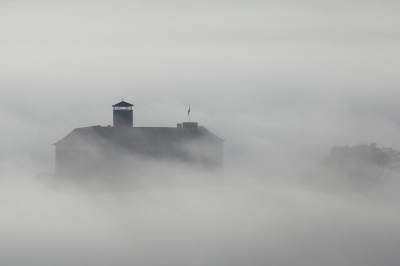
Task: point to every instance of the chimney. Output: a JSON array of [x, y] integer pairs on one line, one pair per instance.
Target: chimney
[[190, 125]]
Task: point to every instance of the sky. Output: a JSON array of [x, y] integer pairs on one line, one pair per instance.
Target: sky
[[280, 81]]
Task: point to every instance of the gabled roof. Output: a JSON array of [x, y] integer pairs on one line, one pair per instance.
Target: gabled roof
[[122, 104], [133, 136]]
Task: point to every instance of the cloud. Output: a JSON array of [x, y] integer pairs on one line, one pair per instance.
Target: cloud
[[214, 226]]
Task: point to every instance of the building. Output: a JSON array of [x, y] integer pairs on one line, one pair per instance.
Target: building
[[124, 151]]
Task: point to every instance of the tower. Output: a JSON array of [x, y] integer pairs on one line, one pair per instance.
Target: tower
[[122, 114]]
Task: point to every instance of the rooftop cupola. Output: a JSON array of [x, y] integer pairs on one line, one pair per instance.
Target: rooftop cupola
[[123, 114]]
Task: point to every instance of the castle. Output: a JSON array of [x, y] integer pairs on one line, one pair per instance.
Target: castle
[[122, 150]]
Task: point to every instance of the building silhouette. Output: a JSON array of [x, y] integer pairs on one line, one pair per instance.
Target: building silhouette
[[121, 150]]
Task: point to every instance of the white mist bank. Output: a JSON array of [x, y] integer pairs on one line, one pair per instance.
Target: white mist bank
[[209, 226]]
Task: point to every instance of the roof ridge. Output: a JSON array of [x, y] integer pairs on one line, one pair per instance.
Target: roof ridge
[[122, 104]]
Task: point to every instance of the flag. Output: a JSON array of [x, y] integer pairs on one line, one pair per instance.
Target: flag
[[189, 110]]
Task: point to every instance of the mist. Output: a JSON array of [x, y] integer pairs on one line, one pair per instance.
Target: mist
[[280, 82]]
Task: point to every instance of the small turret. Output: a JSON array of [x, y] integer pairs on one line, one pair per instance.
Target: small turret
[[123, 114]]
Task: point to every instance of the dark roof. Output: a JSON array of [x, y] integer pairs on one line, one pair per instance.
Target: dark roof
[[133, 136], [122, 104]]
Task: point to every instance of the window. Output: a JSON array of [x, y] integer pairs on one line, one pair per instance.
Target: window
[[122, 108]]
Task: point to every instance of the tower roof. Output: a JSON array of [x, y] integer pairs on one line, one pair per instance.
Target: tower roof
[[122, 104]]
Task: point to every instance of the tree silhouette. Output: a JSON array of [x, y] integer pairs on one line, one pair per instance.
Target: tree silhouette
[[357, 167]]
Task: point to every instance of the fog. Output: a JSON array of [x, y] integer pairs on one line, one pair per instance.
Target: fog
[[280, 82]]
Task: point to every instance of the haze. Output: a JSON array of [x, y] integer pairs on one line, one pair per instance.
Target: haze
[[280, 81]]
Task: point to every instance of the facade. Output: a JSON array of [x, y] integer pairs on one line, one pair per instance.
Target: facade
[[126, 151]]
